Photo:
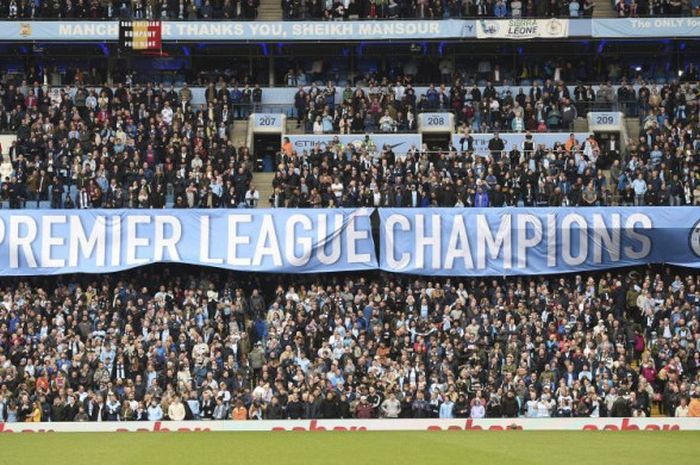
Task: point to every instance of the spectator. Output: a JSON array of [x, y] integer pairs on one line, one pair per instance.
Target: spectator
[[391, 407]]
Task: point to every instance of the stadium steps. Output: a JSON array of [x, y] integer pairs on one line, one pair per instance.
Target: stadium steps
[[292, 127], [632, 125], [239, 132], [604, 9], [263, 183], [581, 124], [655, 406], [269, 10]]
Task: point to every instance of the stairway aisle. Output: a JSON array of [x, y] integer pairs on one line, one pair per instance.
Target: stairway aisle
[[239, 132], [604, 9], [270, 10], [263, 183]]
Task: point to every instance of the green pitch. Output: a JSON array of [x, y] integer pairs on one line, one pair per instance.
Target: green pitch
[[331, 448]]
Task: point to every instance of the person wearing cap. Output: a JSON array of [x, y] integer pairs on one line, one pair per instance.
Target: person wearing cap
[[364, 410]]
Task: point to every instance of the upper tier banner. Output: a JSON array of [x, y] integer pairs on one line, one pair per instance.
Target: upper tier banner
[[310, 31], [245, 30], [519, 29], [525, 241], [101, 241], [646, 27]]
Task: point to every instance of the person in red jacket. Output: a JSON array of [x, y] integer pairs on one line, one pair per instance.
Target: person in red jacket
[[364, 409]]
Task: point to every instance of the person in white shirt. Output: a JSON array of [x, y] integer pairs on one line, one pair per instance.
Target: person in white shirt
[[399, 91], [387, 123], [176, 410], [167, 114], [477, 410], [252, 197], [544, 406], [337, 188], [318, 126], [531, 406], [682, 409]]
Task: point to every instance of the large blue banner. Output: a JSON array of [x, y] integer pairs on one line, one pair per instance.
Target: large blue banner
[[245, 30], [441, 242], [100, 241], [310, 31], [505, 241]]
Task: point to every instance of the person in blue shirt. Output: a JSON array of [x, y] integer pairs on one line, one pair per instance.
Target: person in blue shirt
[[481, 198], [640, 188], [369, 309], [446, 408], [155, 413], [574, 7], [500, 10], [236, 98]]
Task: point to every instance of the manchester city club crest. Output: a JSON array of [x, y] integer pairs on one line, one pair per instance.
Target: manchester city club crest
[[554, 27], [694, 239], [25, 29]]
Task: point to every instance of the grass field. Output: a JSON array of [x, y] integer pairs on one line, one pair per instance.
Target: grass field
[[372, 448]]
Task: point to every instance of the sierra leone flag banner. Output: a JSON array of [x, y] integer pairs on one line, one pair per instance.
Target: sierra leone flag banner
[[140, 35]]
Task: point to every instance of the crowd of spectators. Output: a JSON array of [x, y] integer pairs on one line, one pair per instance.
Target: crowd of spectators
[[125, 147], [183, 344], [637, 8], [333, 10], [392, 107], [660, 166], [134, 146], [435, 67], [130, 9]]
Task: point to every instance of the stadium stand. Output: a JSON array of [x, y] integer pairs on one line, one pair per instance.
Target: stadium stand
[[331, 11], [182, 344], [151, 146], [553, 124]]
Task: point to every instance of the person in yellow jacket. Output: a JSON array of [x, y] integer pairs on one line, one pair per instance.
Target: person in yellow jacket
[[35, 416]]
